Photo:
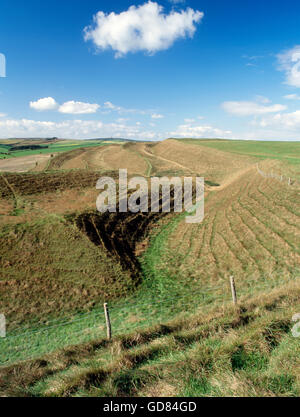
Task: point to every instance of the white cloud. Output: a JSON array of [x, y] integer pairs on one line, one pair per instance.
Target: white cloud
[[157, 116], [2, 114], [76, 129], [280, 126], [252, 60], [250, 108], [69, 107], [292, 97], [110, 106], [77, 107], [289, 62], [262, 99], [122, 120], [189, 120], [205, 131], [287, 121], [252, 57], [141, 28], [43, 104]]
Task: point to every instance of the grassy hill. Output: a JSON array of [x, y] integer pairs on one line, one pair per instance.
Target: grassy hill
[[175, 330], [288, 152]]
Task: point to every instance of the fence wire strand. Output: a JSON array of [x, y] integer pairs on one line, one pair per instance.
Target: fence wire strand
[[33, 343]]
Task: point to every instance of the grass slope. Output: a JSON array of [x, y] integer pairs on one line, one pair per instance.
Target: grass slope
[[247, 351], [50, 269], [287, 151], [177, 334]]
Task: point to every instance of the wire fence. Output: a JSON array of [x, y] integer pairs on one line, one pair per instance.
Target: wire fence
[[279, 177], [125, 317]]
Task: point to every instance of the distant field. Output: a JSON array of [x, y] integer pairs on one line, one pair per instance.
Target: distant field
[[61, 146], [25, 163], [14, 160]]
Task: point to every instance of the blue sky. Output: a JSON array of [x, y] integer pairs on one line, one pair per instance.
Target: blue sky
[[151, 70]]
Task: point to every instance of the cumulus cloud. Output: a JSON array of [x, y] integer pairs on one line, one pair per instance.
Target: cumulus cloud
[[157, 116], [205, 131], [286, 121], [77, 129], [43, 104], [262, 99], [77, 107], [292, 97], [250, 108], [289, 62], [141, 28]]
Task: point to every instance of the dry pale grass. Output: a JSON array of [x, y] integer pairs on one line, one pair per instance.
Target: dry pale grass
[[251, 230], [110, 157], [126, 157], [50, 269], [75, 200], [25, 163], [159, 389], [211, 163]]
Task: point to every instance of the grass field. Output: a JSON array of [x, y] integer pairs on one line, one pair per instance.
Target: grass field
[[46, 148], [167, 282], [287, 151]]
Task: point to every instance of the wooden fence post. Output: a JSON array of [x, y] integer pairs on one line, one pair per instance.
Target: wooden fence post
[[233, 290], [107, 319]]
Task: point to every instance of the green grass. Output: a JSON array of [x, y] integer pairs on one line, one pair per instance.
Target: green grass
[[63, 146], [153, 302], [191, 343], [247, 351], [168, 332], [162, 295], [4, 149], [287, 151]]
